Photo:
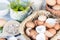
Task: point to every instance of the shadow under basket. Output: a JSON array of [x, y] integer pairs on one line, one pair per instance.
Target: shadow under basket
[[54, 12]]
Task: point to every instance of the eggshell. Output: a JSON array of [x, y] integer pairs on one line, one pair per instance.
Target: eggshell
[[40, 23], [35, 22], [28, 31], [12, 38], [42, 18], [40, 36], [46, 37], [50, 22], [57, 26], [58, 2], [30, 25], [33, 34], [56, 7], [41, 29], [53, 31], [51, 2], [48, 34], [48, 26], [2, 22], [2, 39]]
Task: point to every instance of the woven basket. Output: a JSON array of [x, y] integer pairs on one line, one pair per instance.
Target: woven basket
[[30, 18], [54, 12]]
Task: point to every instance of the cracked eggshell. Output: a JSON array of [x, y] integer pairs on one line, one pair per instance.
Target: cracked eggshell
[[40, 23], [58, 2], [46, 37], [28, 31], [50, 32], [35, 22], [2, 22], [40, 36], [30, 25], [53, 31], [50, 22], [51, 2], [41, 29], [56, 7], [57, 26], [2, 39], [42, 18], [33, 34]]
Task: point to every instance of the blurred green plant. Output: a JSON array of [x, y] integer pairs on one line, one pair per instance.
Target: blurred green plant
[[1, 29], [17, 6]]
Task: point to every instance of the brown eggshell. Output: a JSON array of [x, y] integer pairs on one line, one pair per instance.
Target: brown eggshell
[[58, 2], [33, 34], [2, 39], [51, 2], [48, 34], [40, 23], [48, 26], [46, 37], [30, 25], [56, 7], [2, 22], [53, 31], [28, 31], [57, 26], [54, 12], [35, 22]]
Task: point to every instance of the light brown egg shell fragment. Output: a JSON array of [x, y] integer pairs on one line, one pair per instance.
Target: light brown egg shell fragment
[[56, 7], [51, 2], [30, 25]]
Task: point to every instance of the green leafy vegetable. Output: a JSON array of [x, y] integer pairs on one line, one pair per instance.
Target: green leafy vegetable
[[17, 6]]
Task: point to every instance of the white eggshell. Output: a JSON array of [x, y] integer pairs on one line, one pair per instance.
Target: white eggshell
[[42, 18], [12, 38], [51, 21], [41, 29], [40, 36]]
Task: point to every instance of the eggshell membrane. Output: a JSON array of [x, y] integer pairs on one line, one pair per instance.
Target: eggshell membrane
[[51, 2], [53, 31], [57, 26], [58, 2], [30, 25], [2, 39], [2, 22], [40, 23], [56, 7]]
